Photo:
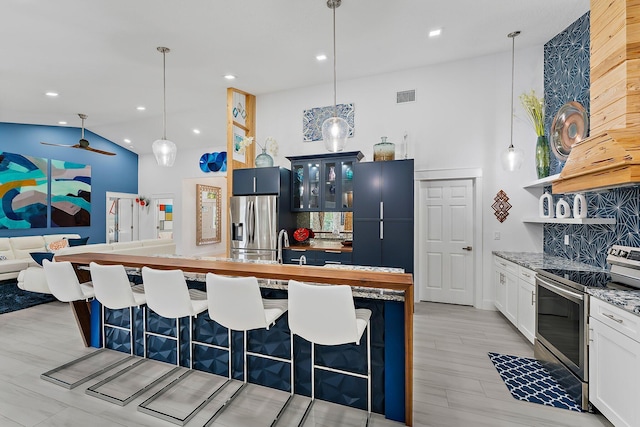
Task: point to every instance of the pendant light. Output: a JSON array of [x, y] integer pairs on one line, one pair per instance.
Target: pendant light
[[335, 130], [164, 150], [512, 157]]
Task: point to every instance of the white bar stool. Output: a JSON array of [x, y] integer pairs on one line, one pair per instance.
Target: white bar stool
[[114, 291], [168, 296], [64, 285], [326, 315], [236, 304]]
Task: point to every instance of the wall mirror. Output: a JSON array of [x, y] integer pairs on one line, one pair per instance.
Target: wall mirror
[[208, 212]]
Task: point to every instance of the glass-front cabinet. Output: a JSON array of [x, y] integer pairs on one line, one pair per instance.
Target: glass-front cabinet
[[323, 183]]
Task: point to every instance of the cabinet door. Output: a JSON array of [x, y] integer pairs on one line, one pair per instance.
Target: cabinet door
[[267, 180], [333, 257], [500, 283], [614, 371], [243, 182], [367, 246], [397, 244], [397, 189], [526, 309], [366, 190], [512, 298]]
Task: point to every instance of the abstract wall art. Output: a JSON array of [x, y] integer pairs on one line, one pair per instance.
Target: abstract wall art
[[23, 191], [70, 194], [312, 120]]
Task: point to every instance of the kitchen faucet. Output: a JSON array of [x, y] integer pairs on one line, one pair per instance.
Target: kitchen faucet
[[283, 240], [303, 260]]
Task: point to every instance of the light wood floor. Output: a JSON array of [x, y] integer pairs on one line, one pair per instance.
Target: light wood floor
[[455, 383]]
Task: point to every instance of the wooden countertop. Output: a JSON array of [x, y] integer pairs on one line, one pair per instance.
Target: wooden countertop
[[322, 245]]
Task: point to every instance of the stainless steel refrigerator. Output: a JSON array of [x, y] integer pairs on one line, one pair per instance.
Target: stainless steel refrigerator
[[255, 223]]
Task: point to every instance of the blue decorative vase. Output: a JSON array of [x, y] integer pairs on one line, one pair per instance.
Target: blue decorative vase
[[263, 160]]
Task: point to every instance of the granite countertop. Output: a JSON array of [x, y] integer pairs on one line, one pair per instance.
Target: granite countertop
[[535, 260], [628, 300]]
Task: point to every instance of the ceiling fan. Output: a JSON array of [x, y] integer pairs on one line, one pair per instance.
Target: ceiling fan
[[83, 144]]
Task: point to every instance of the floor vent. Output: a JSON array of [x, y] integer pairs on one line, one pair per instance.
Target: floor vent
[[406, 96]]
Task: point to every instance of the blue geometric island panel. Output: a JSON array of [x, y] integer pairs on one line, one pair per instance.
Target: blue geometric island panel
[[312, 120], [23, 191], [566, 73], [70, 194]]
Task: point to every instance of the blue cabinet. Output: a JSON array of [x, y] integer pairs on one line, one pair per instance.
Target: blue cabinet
[[383, 214], [260, 181], [323, 182], [315, 257]]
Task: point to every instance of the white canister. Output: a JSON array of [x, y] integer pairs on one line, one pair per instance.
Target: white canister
[[563, 210], [541, 210], [579, 206]]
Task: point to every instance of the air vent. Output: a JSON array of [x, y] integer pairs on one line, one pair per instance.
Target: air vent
[[406, 96]]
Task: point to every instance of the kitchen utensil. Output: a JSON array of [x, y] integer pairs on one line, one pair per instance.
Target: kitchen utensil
[[570, 126]]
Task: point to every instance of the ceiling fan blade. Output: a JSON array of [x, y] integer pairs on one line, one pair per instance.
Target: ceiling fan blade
[[58, 145], [95, 150]]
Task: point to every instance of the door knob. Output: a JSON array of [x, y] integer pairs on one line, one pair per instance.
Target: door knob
[[468, 248]]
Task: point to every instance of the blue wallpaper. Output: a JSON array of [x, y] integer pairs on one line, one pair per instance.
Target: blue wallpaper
[[109, 173], [566, 78], [566, 74]]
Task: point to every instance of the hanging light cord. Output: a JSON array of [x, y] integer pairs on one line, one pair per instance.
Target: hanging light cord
[[164, 94], [513, 50], [334, 5]]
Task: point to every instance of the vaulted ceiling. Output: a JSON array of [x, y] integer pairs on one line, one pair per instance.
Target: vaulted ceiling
[[101, 57]]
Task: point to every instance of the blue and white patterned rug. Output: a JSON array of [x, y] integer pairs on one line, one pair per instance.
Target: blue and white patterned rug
[[528, 380], [13, 298]]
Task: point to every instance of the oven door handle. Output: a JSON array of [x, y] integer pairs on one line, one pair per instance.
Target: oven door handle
[[559, 290]]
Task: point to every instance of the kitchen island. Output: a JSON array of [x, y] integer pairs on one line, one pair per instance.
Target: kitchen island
[[390, 294]]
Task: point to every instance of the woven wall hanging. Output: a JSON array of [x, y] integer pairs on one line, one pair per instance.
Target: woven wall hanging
[[501, 206]]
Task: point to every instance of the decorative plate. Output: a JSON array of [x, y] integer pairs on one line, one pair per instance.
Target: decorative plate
[[569, 127], [301, 234]]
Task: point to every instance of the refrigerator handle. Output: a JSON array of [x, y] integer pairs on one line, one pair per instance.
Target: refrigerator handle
[[252, 219], [249, 224]]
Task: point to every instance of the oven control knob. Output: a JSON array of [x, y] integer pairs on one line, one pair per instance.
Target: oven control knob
[[623, 254], [613, 252]]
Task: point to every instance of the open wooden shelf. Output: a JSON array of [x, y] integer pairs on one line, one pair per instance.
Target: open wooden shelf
[[542, 182]]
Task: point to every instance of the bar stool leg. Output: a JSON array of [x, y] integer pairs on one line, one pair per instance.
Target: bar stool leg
[[131, 321], [178, 340]]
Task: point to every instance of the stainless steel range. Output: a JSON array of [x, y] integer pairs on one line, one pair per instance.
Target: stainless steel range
[[562, 316]]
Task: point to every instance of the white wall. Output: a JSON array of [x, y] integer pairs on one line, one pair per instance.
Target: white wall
[[460, 120], [179, 182]]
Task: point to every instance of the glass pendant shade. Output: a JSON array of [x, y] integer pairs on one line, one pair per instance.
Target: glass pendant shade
[[512, 158], [335, 131], [165, 152]]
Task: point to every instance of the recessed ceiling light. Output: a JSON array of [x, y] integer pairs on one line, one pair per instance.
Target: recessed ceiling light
[[127, 140], [229, 76], [435, 33], [141, 108], [196, 131], [52, 94], [62, 123], [321, 57]]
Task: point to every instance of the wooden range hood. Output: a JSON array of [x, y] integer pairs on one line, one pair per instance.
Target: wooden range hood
[[610, 157]]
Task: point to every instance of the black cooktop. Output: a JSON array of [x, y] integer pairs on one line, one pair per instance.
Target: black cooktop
[[578, 279]]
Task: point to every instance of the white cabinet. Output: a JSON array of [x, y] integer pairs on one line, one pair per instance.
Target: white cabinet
[[614, 363], [527, 304], [514, 288]]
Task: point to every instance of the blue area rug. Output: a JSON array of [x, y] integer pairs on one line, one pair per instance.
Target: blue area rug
[[528, 380], [13, 298]]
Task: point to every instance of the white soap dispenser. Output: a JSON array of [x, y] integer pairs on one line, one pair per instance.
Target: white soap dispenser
[[541, 208]]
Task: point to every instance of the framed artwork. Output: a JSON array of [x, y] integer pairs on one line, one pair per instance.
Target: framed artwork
[[312, 120], [238, 151], [23, 191], [70, 194]]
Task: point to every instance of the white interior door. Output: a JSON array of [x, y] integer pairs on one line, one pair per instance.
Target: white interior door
[[447, 220]]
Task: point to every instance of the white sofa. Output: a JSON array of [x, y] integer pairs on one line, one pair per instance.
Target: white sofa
[[32, 277], [16, 250]]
